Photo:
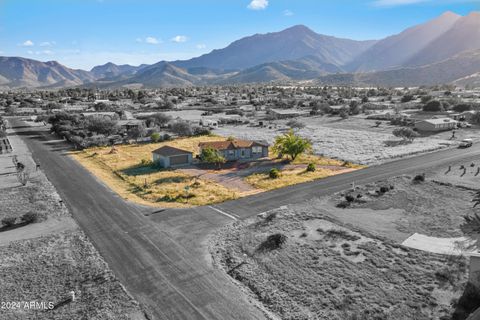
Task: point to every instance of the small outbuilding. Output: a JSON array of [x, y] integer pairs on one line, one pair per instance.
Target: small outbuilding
[[168, 157]]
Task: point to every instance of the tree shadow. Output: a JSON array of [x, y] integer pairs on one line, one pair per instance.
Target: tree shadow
[[468, 302], [140, 170], [396, 143]]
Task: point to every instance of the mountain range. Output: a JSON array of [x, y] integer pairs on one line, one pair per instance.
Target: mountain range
[[443, 50]]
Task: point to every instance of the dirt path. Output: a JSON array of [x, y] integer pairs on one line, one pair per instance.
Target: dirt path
[[448, 246]]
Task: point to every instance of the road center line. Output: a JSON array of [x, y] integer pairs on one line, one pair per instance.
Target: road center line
[[224, 213]]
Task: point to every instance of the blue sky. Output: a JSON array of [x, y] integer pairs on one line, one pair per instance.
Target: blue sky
[[84, 33]]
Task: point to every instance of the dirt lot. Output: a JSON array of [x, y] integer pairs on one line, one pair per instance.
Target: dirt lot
[[326, 270], [44, 261], [48, 268], [355, 139], [428, 208], [344, 259]]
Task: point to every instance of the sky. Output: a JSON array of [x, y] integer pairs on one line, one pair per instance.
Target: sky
[[85, 33]]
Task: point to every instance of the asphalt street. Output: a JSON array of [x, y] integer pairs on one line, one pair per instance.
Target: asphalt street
[[161, 255]]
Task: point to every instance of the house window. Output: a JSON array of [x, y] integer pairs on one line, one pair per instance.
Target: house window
[[242, 153], [256, 149], [231, 152]]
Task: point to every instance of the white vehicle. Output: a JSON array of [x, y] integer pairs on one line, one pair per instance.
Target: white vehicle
[[466, 143]]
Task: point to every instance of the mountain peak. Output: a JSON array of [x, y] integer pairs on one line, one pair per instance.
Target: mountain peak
[[450, 14], [299, 28]]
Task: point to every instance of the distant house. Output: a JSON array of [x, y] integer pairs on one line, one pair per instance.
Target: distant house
[[238, 149], [130, 124], [287, 113], [440, 124], [337, 109], [467, 115], [167, 157]]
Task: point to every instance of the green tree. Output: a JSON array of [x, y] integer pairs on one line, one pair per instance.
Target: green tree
[[155, 137], [211, 155], [291, 145]]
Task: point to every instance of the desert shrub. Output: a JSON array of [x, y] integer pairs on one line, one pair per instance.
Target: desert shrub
[[343, 114], [274, 173], [341, 234], [201, 131], [406, 134], [30, 217], [145, 162], [407, 98], [8, 221], [273, 242], [349, 198], [384, 189], [343, 205], [270, 217], [311, 167], [295, 124], [419, 178]]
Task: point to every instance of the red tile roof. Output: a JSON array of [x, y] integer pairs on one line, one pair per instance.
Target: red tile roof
[[233, 144]]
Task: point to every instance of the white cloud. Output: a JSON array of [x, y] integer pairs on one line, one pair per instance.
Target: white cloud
[[394, 3], [28, 43], [287, 13], [258, 4], [179, 39], [47, 44], [201, 46], [152, 40]]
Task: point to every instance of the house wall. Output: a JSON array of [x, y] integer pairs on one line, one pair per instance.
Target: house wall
[[236, 154], [427, 126], [163, 162]]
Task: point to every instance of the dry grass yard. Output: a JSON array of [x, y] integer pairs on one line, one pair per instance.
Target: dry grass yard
[[292, 176], [127, 170]]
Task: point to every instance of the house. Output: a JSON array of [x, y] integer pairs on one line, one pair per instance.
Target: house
[[440, 124], [233, 150], [467, 115], [168, 157], [130, 124]]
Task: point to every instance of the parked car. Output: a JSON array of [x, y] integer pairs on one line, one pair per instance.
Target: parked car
[[466, 143]]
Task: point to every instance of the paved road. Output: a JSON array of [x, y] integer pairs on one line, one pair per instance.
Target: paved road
[[161, 256]]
